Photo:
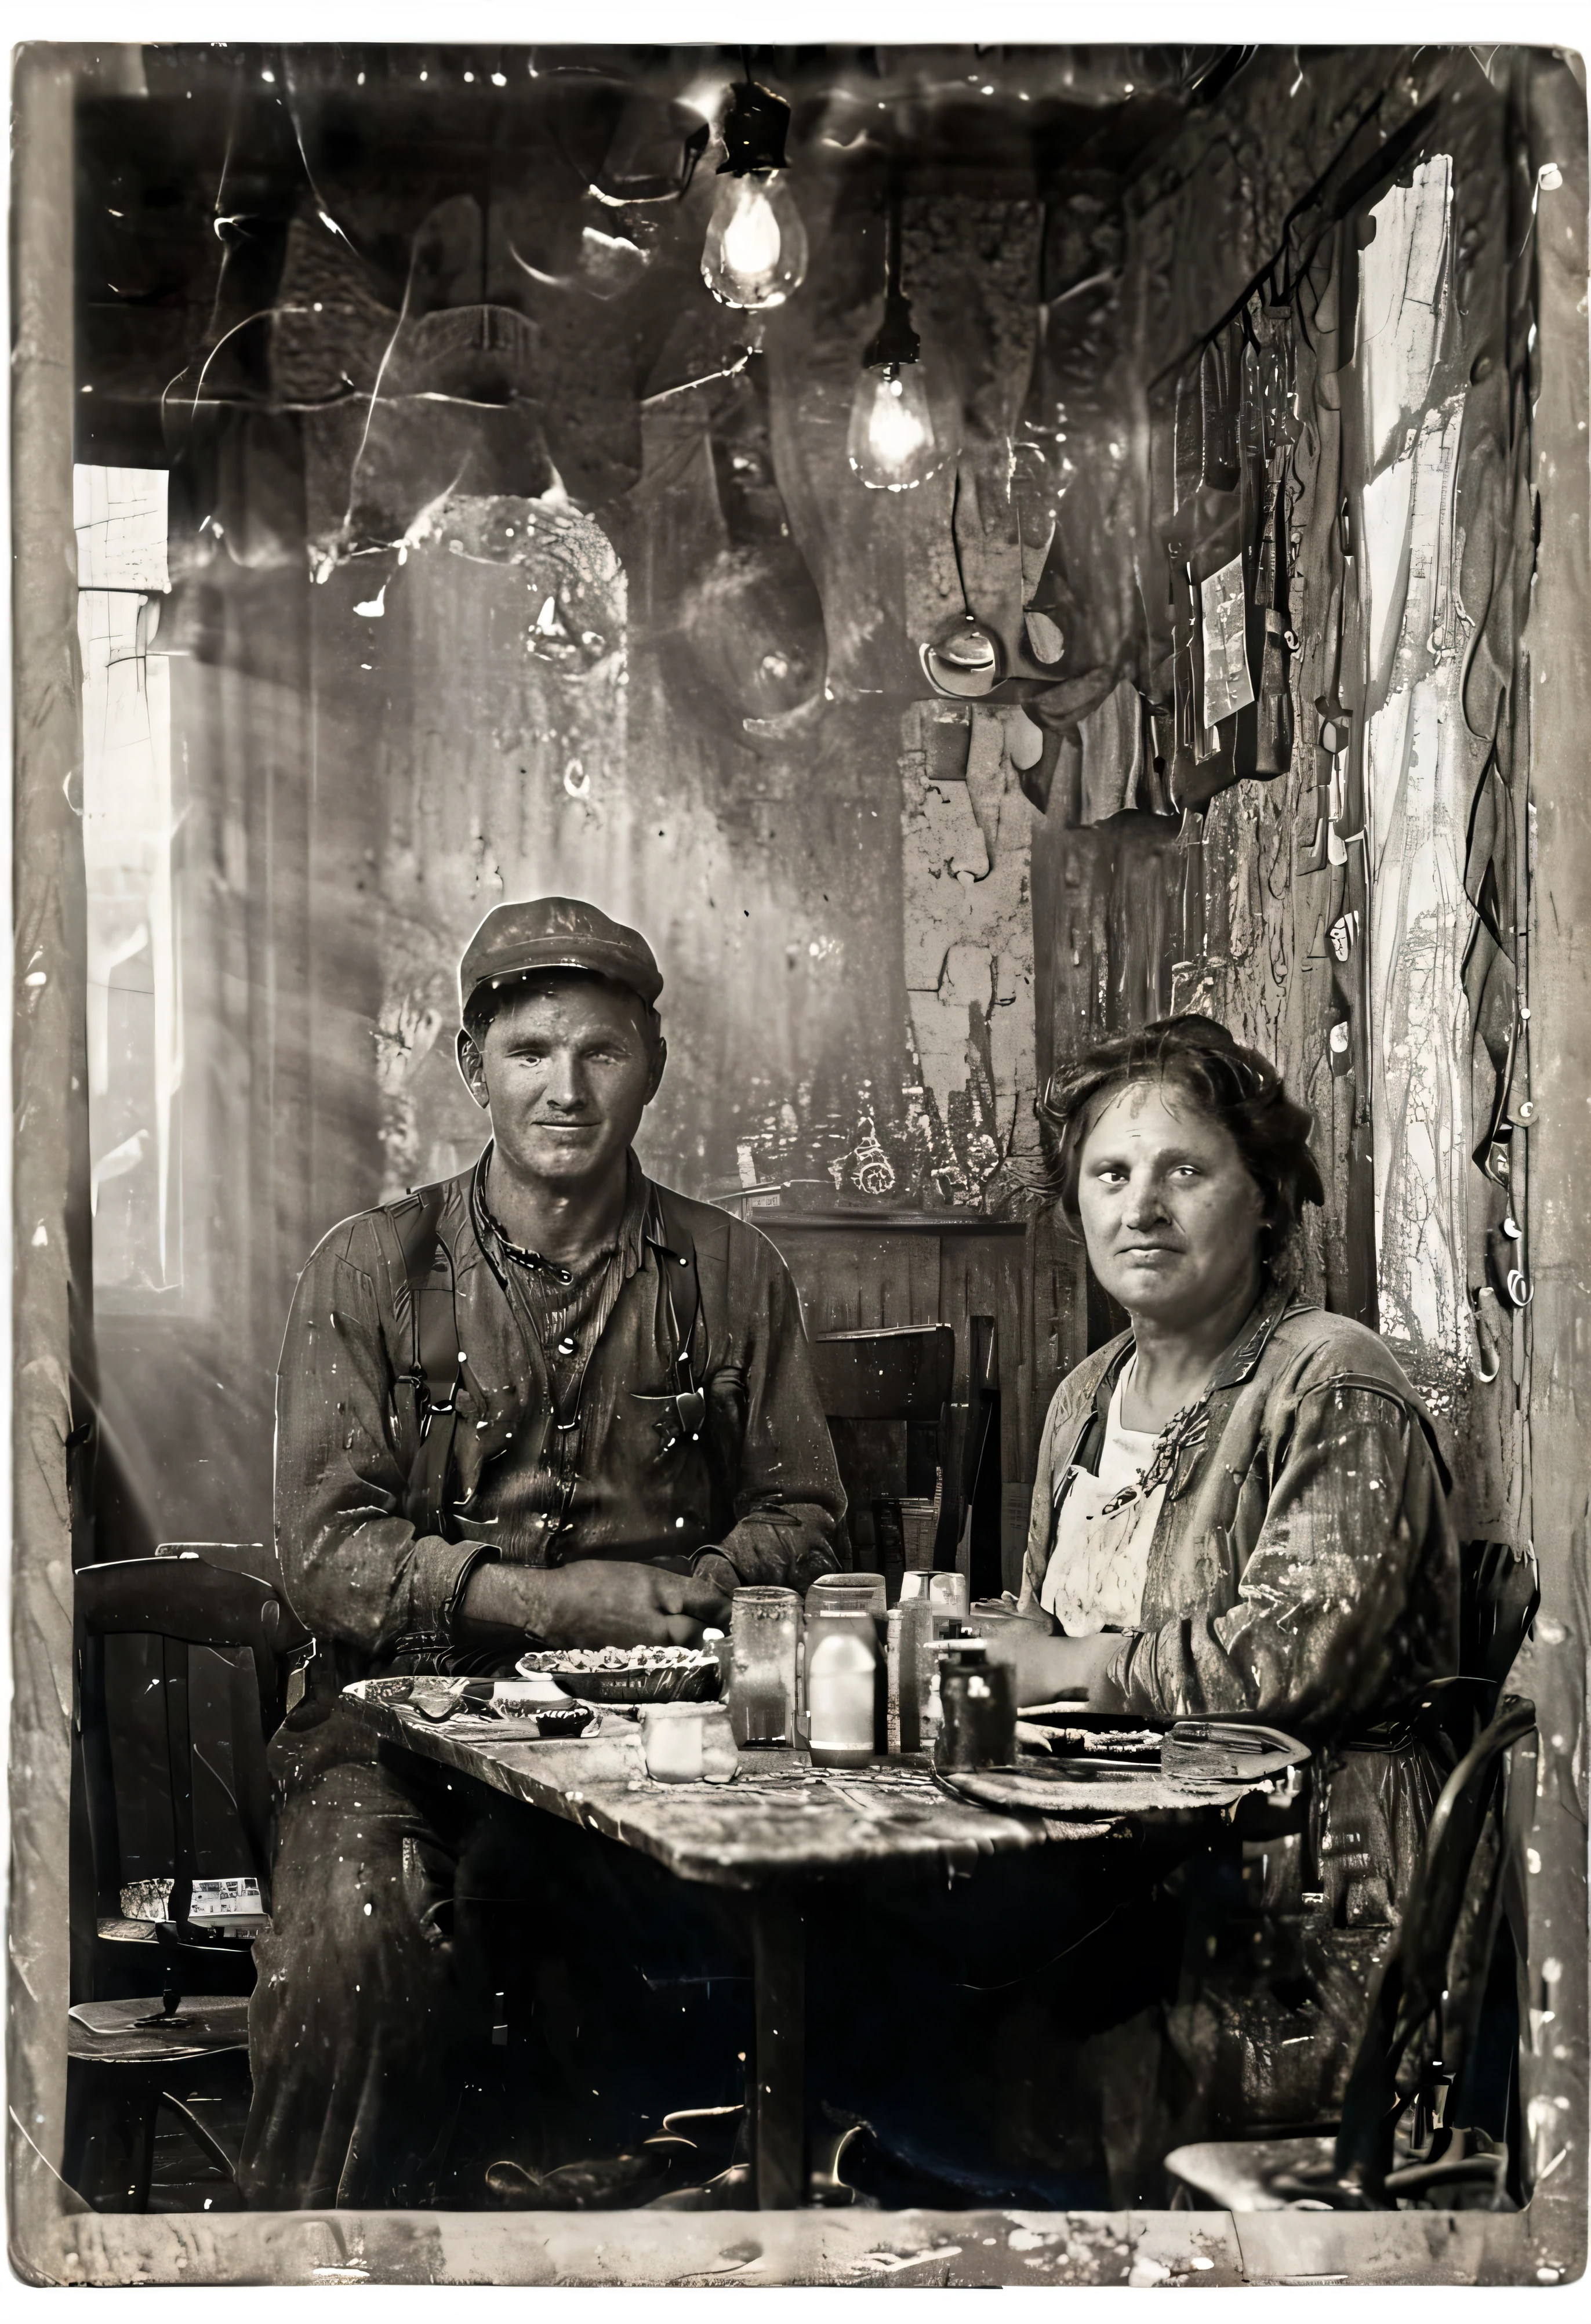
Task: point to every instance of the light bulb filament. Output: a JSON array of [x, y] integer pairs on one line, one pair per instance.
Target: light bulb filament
[[751, 239]]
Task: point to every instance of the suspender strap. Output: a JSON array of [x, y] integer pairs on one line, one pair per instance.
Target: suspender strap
[[716, 1406], [683, 1291], [433, 1366]]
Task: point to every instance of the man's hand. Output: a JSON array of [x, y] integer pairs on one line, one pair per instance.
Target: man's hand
[[592, 1603], [598, 1604]]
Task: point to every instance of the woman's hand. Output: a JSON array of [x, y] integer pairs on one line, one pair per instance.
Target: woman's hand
[[1050, 1669]]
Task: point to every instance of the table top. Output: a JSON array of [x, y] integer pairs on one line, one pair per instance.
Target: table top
[[781, 1818]]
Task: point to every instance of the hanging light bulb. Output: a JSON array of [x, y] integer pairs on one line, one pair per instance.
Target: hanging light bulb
[[754, 253], [893, 443]]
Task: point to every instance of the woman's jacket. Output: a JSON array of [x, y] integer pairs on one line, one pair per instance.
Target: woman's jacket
[[1303, 1571]]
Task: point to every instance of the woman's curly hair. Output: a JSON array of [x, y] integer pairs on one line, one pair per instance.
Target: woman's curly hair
[[1225, 1082]]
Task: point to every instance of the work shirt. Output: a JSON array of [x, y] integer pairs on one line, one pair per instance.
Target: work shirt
[[695, 1419], [1302, 1570], [564, 1312]]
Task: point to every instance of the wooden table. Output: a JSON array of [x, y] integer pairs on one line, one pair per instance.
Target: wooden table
[[780, 1826]]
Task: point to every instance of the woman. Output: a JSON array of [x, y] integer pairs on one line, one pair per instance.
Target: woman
[[1239, 1507], [1239, 1511], [1236, 1512]]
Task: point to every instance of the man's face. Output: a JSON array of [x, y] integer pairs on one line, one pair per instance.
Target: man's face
[[1170, 1213], [567, 1071]]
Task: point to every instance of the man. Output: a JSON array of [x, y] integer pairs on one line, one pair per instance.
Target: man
[[545, 1402]]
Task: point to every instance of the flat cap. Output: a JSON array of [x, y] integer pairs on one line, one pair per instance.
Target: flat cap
[[556, 931]]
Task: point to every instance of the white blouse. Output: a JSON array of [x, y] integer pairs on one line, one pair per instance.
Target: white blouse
[[1095, 1577]]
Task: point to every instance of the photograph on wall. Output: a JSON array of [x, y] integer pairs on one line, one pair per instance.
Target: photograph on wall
[[801, 1029]]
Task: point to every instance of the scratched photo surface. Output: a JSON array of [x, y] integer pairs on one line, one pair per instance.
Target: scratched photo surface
[[781, 815]]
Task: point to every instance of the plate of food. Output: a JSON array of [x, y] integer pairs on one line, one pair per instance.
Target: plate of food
[[1204, 1749], [627, 1674]]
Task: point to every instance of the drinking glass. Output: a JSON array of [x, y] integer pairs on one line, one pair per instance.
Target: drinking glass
[[764, 1628]]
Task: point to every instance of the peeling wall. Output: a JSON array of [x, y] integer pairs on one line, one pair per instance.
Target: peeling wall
[[873, 936], [966, 833]]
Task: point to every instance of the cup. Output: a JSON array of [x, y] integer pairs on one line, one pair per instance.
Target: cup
[[671, 1738], [688, 1742]]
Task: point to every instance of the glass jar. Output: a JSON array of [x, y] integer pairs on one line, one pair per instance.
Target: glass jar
[[834, 1593], [839, 1593], [841, 1687], [764, 1624]]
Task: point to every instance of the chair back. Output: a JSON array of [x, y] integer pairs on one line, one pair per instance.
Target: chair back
[[184, 1602], [1499, 1594], [1416, 1975], [902, 1372]]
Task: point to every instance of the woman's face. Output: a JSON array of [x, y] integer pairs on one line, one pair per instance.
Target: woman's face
[[1172, 1217]]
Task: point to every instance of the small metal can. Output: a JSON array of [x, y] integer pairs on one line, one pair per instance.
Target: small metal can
[[977, 1709]]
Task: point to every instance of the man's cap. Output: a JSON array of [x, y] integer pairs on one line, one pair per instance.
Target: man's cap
[[550, 932]]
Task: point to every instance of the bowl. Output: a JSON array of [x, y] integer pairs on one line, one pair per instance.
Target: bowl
[[691, 1675]]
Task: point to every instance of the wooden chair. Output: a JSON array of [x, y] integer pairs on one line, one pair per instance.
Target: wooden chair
[[1437, 1972], [1499, 1596], [125, 2046], [874, 1381], [1466, 1921]]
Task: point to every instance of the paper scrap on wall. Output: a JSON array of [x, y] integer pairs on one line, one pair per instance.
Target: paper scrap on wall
[[119, 515], [1227, 687]]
